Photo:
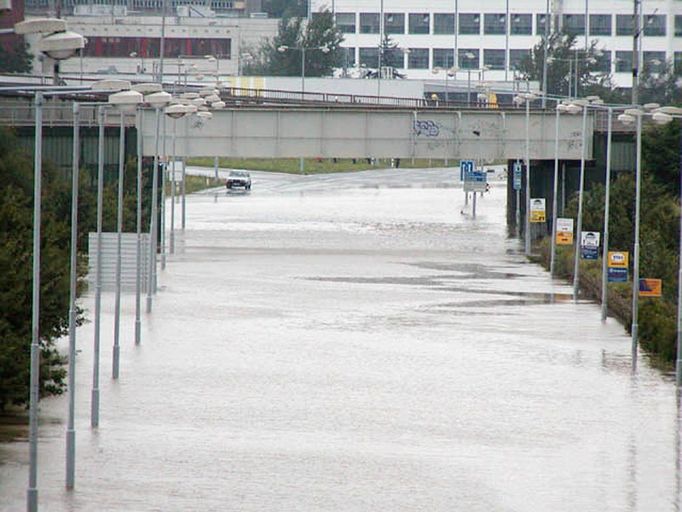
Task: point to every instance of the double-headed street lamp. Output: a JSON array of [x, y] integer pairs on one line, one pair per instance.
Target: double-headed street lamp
[[447, 72], [527, 98], [303, 49]]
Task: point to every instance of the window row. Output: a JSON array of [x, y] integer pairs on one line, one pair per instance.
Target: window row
[[143, 47], [498, 24], [492, 59]]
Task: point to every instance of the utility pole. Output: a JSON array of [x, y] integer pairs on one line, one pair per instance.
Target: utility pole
[[635, 52]]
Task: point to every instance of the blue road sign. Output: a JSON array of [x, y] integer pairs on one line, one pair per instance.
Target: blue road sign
[[517, 176], [465, 168]]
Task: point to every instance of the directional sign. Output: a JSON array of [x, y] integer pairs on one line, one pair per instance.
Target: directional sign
[[650, 287], [537, 209], [589, 245], [517, 175], [564, 231], [465, 167]]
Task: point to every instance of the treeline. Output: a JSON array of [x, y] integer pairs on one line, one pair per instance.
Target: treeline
[[659, 238], [16, 253]]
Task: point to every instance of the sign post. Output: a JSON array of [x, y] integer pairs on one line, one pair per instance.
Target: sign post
[[650, 287], [537, 210], [564, 231], [474, 181], [516, 177], [617, 270], [465, 167], [589, 245]]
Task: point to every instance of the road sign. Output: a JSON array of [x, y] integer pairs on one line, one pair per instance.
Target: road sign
[[465, 167], [564, 231], [537, 209], [517, 175], [650, 287], [589, 245], [617, 271]]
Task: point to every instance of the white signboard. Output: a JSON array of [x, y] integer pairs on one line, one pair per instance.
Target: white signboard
[[589, 239]]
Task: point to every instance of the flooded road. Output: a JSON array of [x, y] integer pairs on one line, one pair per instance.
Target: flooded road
[[352, 342]]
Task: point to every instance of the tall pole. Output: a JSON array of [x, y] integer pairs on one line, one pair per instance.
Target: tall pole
[[527, 236], [506, 41], [119, 230], [678, 362], [456, 59], [70, 428], [171, 243], [555, 192], [635, 53], [607, 194], [381, 46], [154, 215], [94, 400], [138, 229], [544, 57], [162, 44], [32, 491], [184, 190], [468, 87], [587, 24], [162, 220], [301, 161], [635, 272], [579, 227]]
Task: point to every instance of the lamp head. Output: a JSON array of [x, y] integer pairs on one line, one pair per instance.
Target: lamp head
[[126, 101], [61, 45]]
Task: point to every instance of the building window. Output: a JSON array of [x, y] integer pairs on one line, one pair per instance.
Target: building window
[[468, 58], [600, 24], [345, 22], [624, 25], [574, 24], [494, 24], [418, 58], [654, 61], [603, 64], [419, 23], [443, 57], [443, 23], [369, 57], [149, 47], [369, 23], [516, 57], [469, 24], [393, 57], [678, 25], [394, 23], [623, 62], [494, 59], [521, 24], [541, 21], [654, 25], [348, 57], [677, 63]]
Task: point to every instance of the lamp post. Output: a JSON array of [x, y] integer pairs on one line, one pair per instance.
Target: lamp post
[[125, 101], [175, 112], [469, 56], [446, 72], [527, 98], [302, 49], [582, 104], [607, 194], [70, 428], [34, 394], [555, 188], [157, 100]]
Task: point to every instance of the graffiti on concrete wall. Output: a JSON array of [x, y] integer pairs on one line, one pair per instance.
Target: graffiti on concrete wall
[[426, 128]]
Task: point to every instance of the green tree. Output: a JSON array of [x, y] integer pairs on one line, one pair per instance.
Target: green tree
[[16, 58], [321, 39], [285, 8], [562, 55], [658, 84]]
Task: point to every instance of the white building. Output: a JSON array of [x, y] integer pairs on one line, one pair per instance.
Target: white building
[[120, 42], [494, 35]]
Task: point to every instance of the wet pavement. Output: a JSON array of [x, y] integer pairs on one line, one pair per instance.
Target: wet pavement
[[353, 342]]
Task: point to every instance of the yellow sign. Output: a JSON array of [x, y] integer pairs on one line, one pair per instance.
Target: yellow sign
[[564, 238], [650, 287], [618, 259], [537, 209]]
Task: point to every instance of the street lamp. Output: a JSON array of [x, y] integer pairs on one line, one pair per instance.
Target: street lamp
[[447, 72], [125, 101], [175, 112], [469, 56], [157, 100], [527, 98], [302, 49], [560, 108]]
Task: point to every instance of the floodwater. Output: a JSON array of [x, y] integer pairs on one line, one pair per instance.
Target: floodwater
[[353, 342]]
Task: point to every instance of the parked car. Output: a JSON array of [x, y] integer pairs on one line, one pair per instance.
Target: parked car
[[238, 179]]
